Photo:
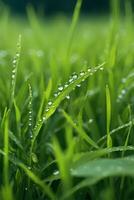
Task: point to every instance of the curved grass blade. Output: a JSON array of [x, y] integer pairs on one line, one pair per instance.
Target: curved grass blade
[[101, 152], [102, 168], [64, 91], [99, 169], [39, 182], [79, 130], [130, 123], [82, 184]]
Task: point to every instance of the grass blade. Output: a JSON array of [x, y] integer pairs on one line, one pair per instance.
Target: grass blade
[[108, 115]]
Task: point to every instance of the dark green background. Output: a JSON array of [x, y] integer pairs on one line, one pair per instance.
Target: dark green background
[[55, 6], [50, 7]]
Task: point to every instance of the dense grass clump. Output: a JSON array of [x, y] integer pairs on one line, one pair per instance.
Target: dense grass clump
[[66, 106]]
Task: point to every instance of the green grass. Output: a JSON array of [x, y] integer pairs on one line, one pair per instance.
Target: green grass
[[66, 106]]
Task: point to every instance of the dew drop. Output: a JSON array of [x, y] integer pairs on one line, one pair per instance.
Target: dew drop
[[14, 71], [101, 69], [49, 103], [78, 85], [67, 97], [29, 167], [123, 80], [65, 85], [82, 73], [89, 70], [70, 80], [90, 121], [14, 61], [55, 94], [123, 91], [17, 54], [60, 88], [44, 118], [13, 76], [31, 136], [74, 76], [56, 172]]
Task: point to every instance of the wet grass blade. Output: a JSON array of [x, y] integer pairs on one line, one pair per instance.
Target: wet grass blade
[[64, 91]]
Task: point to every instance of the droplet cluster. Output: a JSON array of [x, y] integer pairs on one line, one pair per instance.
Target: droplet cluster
[[74, 78], [14, 68], [30, 117], [121, 95]]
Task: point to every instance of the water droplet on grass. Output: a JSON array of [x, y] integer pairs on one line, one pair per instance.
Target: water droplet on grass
[[31, 136], [55, 94], [124, 80], [29, 167], [14, 71], [82, 73], [66, 85], [67, 97], [56, 173], [70, 80], [123, 91], [60, 88], [90, 121], [44, 118], [17, 54], [14, 61], [75, 76], [49, 103], [78, 85], [101, 68]]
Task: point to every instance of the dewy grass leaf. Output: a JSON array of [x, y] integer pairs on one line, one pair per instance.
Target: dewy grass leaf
[[30, 114], [86, 156], [102, 168], [14, 70], [129, 124], [61, 95], [99, 169], [108, 116]]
